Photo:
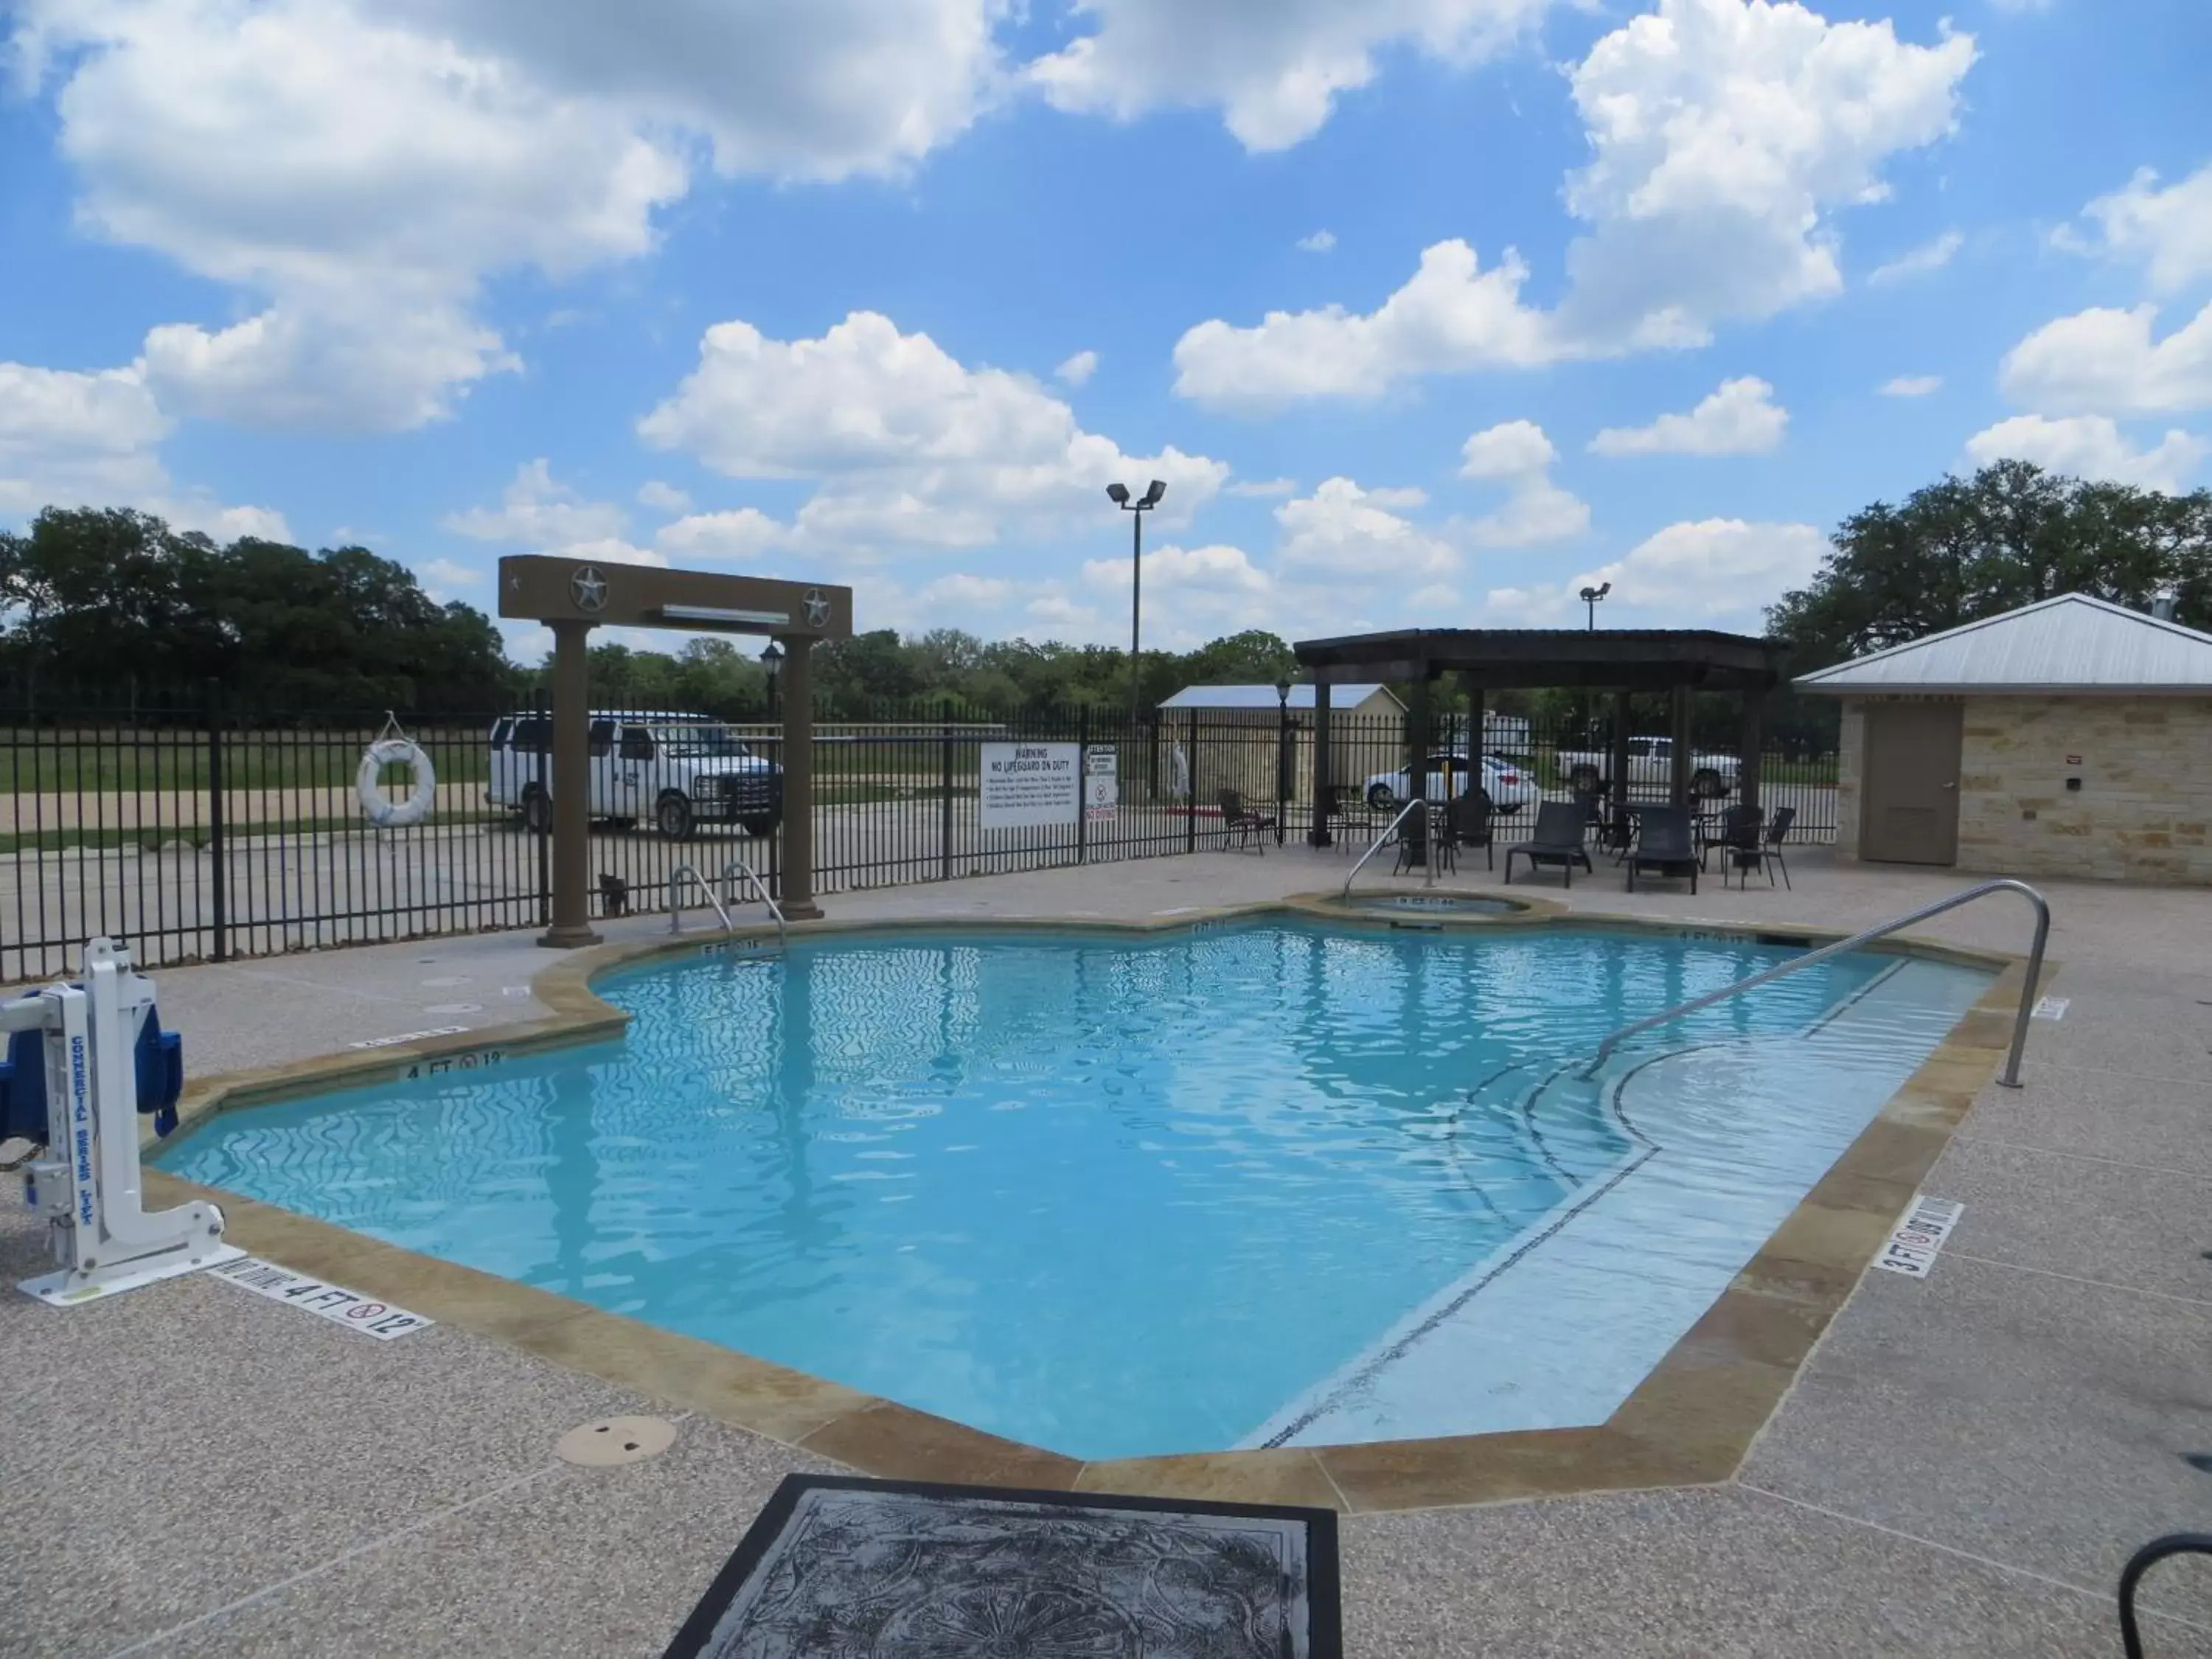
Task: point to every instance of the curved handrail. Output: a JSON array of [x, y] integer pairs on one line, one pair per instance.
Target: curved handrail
[[737, 863], [675, 917], [2011, 1078], [1378, 844]]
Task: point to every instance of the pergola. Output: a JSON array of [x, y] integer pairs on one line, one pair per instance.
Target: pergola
[[1675, 661]]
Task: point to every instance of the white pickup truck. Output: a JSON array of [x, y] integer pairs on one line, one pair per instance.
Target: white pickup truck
[[1650, 769], [676, 771]]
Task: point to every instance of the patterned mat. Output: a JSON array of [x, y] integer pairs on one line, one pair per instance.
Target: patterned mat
[[838, 1567]]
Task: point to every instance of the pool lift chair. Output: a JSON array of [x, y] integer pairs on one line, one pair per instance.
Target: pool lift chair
[[82, 1062]]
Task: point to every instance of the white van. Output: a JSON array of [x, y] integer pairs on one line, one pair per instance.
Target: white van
[[678, 770]]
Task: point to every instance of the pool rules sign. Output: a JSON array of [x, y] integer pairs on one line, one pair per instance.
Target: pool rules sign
[[1028, 786], [1102, 784]]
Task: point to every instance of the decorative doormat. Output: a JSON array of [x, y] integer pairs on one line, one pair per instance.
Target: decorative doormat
[[842, 1568]]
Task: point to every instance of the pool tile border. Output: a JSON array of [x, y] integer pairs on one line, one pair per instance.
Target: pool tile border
[[1691, 1421]]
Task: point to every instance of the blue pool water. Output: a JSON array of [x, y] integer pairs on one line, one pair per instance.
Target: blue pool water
[[1111, 1195]]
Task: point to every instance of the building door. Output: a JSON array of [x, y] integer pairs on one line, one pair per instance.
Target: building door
[[1911, 800]]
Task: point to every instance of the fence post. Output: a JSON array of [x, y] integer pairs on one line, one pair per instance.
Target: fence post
[[944, 813], [543, 837], [1082, 782], [219, 894]]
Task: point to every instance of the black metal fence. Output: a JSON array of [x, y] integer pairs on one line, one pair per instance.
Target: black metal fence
[[196, 832]]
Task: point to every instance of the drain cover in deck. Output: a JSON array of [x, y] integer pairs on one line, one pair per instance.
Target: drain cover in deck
[[837, 1566]]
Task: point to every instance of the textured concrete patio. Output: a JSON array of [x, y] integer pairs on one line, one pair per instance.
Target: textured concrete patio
[[1960, 1468]]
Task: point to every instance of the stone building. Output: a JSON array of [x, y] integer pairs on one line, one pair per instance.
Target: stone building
[[2067, 737], [1228, 735]]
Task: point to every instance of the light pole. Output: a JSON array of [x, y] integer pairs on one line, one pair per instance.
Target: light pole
[[1282, 756], [1591, 596], [1119, 495], [771, 660]]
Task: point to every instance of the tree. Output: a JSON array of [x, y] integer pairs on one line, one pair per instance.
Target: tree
[[1960, 549]]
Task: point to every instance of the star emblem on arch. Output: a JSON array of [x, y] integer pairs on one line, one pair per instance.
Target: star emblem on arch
[[817, 608], [588, 588]]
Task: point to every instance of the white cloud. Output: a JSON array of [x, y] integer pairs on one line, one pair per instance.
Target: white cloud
[[1517, 454], [1726, 134], [1343, 529], [911, 447], [1741, 418], [1918, 261], [1911, 386], [1320, 242], [1274, 67], [744, 533], [1698, 571], [536, 510], [1263, 487], [2106, 361], [439, 577], [1453, 316], [90, 438], [2090, 447], [2169, 230], [355, 173], [1076, 369], [662, 497]]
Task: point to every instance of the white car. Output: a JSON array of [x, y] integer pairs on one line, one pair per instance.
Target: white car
[[1650, 766], [1511, 786], [678, 770]]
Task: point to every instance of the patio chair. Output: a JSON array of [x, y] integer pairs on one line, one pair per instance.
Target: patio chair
[[1247, 822], [1770, 855], [1558, 839], [1417, 845], [1738, 840], [1663, 846], [1349, 816], [1467, 821], [1590, 803]]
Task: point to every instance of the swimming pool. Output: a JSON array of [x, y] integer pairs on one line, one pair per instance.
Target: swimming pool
[[1271, 1181]]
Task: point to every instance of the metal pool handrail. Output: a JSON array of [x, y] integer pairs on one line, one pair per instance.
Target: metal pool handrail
[[737, 863], [2011, 1078], [676, 880], [1382, 841]]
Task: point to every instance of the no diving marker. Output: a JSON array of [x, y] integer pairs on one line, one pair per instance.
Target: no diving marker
[[1911, 1248], [341, 1307]]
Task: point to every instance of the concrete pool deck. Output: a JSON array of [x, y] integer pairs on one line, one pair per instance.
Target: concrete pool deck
[[1961, 1467]]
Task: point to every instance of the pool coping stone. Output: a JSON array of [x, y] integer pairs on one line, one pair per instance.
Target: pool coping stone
[[1691, 1421]]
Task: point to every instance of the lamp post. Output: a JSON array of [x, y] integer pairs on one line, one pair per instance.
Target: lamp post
[[1591, 596], [772, 659], [1119, 495], [1282, 756]]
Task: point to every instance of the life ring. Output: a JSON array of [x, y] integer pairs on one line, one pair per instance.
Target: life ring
[[423, 788]]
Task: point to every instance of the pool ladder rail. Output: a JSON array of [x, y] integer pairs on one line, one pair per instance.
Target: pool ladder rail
[[736, 866], [2010, 1079], [1428, 849]]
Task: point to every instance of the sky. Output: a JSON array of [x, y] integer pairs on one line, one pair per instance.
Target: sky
[[1426, 311]]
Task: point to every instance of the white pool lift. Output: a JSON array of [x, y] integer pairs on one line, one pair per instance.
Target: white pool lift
[[82, 1062]]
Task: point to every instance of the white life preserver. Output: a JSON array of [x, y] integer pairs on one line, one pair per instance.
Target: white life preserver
[[412, 808]]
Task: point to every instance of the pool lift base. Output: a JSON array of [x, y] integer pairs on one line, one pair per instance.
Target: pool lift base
[[82, 1062]]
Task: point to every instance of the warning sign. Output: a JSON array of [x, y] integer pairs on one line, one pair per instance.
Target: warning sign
[[1912, 1248], [341, 1307], [1102, 784], [1028, 785]]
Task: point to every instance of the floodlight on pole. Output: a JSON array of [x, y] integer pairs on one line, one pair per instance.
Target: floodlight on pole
[[1589, 596], [1119, 495]]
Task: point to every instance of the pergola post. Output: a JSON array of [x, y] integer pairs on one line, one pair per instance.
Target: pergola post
[[1317, 832], [798, 678], [569, 752], [1677, 791], [1752, 740], [1473, 690], [1619, 772], [1416, 736]]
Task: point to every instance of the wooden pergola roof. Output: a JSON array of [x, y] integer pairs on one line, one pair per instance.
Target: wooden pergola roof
[[1511, 658]]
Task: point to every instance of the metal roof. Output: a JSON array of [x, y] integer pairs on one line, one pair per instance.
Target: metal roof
[[1502, 658], [2069, 643], [1341, 697]]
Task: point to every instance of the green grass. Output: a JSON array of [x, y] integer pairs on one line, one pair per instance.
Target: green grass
[[48, 762], [197, 836]]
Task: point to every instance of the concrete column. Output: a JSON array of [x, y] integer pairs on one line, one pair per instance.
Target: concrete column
[[1417, 736], [1324, 775], [798, 678], [571, 788], [1678, 790], [1748, 745]]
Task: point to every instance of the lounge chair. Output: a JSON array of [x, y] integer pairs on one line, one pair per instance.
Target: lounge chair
[[1664, 845], [1557, 839], [1248, 824], [1738, 842], [1467, 821], [1770, 855], [1416, 846]]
